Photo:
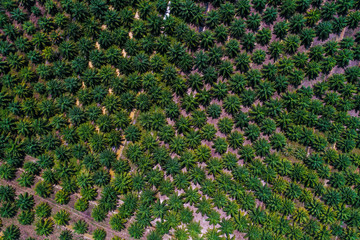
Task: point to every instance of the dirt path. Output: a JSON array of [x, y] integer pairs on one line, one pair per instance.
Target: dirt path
[[72, 211]]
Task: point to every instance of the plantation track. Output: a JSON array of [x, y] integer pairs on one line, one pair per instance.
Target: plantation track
[[71, 210]]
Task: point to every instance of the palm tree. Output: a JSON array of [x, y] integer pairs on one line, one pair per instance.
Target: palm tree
[[338, 24], [68, 50], [43, 210], [166, 133], [81, 227], [99, 234], [208, 132], [25, 201], [287, 8], [214, 57], [253, 21], [155, 24], [306, 36], [352, 19], [225, 69], [225, 125], [243, 8], [323, 30], [43, 189], [300, 59], [248, 97], [44, 227], [219, 91], [198, 118], [312, 70], [203, 153], [281, 29], [189, 103], [81, 204], [296, 23], [178, 144], [263, 36], [342, 7], [343, 57], [232, 104], [135, 230], [237, 83], [248, 41], [26, 217], [227, 12], [232, 48], [221, 33], [201, 60], [265, 90], [220, 145], [259, 56], [207, 39], [292, 43], [252, 132], [62, 218], [262, 147], [235, 139], [213, 19], [270, 15], [242, 62], [275, 49], [12, 232], [192, 40], [237, 28], [117, 222], [193, 138]]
